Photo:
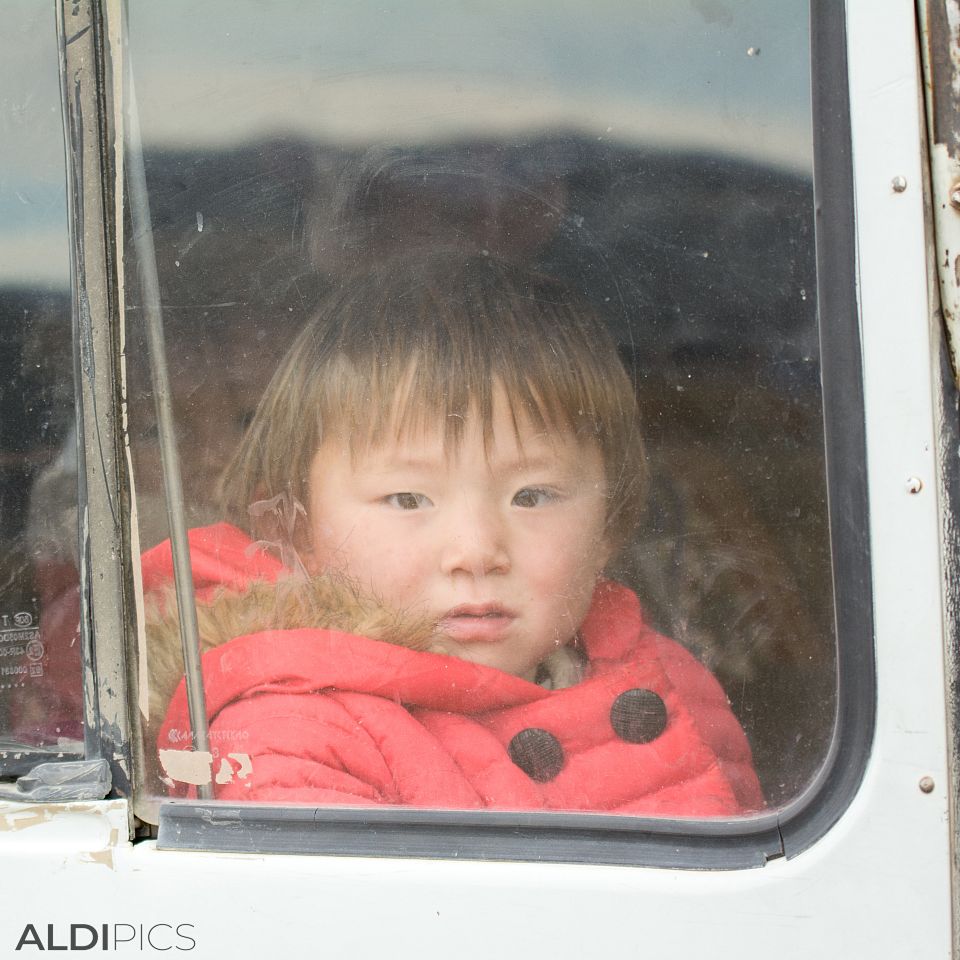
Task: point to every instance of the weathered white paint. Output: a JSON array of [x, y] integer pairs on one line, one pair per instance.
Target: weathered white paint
[[876, 886]]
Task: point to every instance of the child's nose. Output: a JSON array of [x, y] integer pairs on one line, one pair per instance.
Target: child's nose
[[476, 545]]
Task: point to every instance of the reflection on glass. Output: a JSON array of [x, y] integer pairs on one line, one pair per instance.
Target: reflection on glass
[[40, 682], [351, 187]]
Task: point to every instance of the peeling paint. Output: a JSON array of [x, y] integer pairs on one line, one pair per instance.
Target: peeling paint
[[81, 831], [187, 766], [952, 10], [195, 767], [945, 172], [104, 857], [22, 819], [16, 816]]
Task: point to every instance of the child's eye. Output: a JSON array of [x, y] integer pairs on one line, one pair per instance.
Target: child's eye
[[533, 497], [408, 501]]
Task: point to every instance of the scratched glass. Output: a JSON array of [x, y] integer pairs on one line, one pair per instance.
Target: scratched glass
[[655, 161], [40, 683]]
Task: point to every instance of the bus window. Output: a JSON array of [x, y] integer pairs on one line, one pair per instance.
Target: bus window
[[40, 680], [636, 177]]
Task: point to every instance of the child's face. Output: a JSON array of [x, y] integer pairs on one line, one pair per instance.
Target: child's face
[[501, 546]]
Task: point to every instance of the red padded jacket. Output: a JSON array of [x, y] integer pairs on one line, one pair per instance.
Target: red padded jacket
[[319, 716]]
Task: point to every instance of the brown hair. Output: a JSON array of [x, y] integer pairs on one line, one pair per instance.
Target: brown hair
[[403, 345]]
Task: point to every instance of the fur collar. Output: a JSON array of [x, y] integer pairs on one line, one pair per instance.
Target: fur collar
[[325, 602]]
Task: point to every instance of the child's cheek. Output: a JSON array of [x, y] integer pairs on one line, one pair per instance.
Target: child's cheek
[[570, 567], [392, 569], [323, 555]]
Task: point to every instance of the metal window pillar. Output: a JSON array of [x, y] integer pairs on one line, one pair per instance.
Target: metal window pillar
[[103, 492]]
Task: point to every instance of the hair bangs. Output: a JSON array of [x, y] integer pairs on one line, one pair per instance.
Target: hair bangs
[[410, 349]]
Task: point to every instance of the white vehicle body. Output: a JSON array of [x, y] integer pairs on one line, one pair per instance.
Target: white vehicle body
[[880, 882]]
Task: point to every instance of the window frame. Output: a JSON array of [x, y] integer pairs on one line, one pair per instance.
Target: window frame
[[103, 478], [108, 597]]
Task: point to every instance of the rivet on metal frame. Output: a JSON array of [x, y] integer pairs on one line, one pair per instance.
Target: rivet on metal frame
[[899, 183], [927, 784], [914, 485]]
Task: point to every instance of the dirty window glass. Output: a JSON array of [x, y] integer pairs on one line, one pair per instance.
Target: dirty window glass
[[492, 336], [40, 685]]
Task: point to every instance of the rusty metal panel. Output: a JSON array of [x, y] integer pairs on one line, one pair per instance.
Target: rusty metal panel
[[940, 48]]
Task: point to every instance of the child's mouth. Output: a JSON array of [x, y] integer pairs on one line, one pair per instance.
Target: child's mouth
[[477, 623]]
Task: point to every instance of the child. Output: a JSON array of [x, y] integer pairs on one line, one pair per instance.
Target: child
[[439, 473]]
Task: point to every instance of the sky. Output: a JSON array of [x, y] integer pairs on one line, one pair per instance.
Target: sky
[[33, 217], [728, 76]]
